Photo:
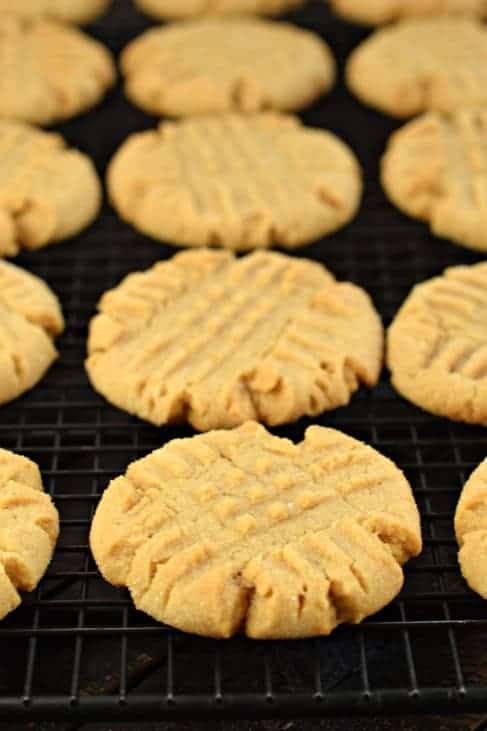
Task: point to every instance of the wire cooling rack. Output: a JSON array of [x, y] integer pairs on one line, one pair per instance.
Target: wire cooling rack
[[76, 649]]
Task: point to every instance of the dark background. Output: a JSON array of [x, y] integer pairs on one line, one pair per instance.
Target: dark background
[[77, 651]]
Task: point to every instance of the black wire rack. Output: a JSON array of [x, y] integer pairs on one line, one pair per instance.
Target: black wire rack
[[76, 648]]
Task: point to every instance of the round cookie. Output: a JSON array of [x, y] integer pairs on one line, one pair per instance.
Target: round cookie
[[378, 12], [423, 64], [50, 71], [281, 540], [215, 340], [238, 181], [471, 530], [29, 527], [47, 191], [30, 318], [181, 9], [204, 66], [437, 345], [69, 11], [447, 188]]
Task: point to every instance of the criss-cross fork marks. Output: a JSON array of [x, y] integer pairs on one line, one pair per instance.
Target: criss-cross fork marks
[[246, 172], [29, 527], [242, 182], [437, 345], [449, 187], [225, 340], [252, 512], [456, 306]]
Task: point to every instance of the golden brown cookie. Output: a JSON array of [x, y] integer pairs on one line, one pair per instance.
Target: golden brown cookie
[[435, 169], [423, 64], [378, 12], [205, 66], [181, 9], [236, 181], [69, 11], [437, 345], [30, 318], [471, 530], [215, 340], [48, 192], [50, 71], [242, 531], [29, 527]]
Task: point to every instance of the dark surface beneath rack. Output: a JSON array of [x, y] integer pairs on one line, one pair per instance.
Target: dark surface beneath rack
[[77, 649]]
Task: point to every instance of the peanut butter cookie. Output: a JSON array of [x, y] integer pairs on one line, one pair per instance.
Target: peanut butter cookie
[[29, 527], [215, 340], [437, 345], [237, 181], [242, 531]]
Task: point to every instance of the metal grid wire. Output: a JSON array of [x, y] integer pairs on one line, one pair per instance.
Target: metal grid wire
[[77, 649]]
